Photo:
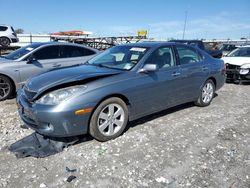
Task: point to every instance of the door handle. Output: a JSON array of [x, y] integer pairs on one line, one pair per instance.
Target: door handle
[[56, 65], [176, 74], [204, 68]]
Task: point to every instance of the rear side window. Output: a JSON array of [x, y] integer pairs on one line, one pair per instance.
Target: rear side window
[[188, 55], [3, 28], [50, 52], [74, 51]]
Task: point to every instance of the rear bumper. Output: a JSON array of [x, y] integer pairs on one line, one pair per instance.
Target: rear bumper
[[14, 40], [51, 121]]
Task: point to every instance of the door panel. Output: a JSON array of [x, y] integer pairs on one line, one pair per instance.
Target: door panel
[[37, 67], [159, 89], [43, 60], [155, 91], [193, 70]]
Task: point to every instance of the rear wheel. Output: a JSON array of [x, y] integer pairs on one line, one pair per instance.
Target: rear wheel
[[6, 88], [206, 94], [109, 119], [4, 41]]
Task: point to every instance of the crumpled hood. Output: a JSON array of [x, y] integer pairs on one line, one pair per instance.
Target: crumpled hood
[[43, 82], [236, 60]]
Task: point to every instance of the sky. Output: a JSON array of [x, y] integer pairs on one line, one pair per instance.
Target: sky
[[164, 19]]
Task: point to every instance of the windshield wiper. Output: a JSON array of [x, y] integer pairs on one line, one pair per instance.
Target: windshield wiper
[[102, 65], [109, 67]]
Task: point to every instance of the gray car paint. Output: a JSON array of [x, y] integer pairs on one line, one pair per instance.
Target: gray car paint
[[19, 71], [144, 93]]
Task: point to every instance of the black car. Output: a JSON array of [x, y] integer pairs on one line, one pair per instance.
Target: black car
[[200, 44]]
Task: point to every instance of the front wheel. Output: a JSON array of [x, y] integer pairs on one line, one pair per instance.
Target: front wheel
[[109, 119], [206, 94], [6, 88]]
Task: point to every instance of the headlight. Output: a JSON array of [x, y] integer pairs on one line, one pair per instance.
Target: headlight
[[245, 66], [244, 69], [56, 97]]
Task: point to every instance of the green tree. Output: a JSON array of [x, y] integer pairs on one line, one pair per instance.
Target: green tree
[[19, 31]]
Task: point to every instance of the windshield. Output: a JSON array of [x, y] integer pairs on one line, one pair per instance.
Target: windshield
[[240, 52], [119, 57], [22, 51]]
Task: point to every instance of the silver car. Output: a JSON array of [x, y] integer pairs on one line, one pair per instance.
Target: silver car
[[7, 35], [20, 65]]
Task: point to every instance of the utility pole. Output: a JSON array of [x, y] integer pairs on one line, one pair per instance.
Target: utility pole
[[185, 23]]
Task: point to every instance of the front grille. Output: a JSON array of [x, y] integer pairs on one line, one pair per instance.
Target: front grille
[[232, 71], [232, 67], [29, 94]]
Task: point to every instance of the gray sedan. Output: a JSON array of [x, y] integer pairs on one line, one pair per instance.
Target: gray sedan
[[119, 85], [18, 66]]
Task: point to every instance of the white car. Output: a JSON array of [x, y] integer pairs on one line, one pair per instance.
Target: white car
[[238, 64], [7, 35]]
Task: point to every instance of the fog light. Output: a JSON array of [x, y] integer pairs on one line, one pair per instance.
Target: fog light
[[244, 71]]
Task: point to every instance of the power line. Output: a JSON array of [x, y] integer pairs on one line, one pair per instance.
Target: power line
[[185, 23]]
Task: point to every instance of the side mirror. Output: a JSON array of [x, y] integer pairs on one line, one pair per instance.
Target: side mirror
[[149, 68], [31, 59]]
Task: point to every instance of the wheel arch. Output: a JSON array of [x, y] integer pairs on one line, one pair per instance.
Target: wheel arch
[[7, 38], [214, 80], [118, 95]]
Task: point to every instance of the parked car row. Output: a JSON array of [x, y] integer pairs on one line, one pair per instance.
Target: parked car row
[[119, 85], [200, 44]]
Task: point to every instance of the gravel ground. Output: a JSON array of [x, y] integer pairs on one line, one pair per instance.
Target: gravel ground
[[186, 146]]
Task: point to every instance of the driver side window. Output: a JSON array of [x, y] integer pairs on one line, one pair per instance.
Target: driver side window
[[163, 57], [50, 52]]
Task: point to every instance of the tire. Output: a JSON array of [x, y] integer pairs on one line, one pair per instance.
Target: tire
[[4, 41], [207, 90], [6, 88], [105, 123]]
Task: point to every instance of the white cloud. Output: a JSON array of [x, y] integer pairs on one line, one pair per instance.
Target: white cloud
[[219, 26]]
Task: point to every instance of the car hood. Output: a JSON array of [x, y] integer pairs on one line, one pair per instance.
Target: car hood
[[236, 60], [49, 80]]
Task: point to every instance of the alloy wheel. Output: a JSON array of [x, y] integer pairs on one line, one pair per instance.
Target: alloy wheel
[[4, 88], [207, 92], [4, 42], [111, 119]]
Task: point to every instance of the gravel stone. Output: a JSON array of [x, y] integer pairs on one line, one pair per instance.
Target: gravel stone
[[186, 146]]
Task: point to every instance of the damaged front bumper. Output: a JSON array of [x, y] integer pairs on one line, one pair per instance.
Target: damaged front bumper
[[50, 120], [236, 73]]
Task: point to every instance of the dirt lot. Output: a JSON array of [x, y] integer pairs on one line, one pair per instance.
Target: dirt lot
[[183, 147]]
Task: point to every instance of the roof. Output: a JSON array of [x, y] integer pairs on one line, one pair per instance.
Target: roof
[[5, 25], [185, 40], [244, 46], [61, 43], [149, 44], [57, 43]]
